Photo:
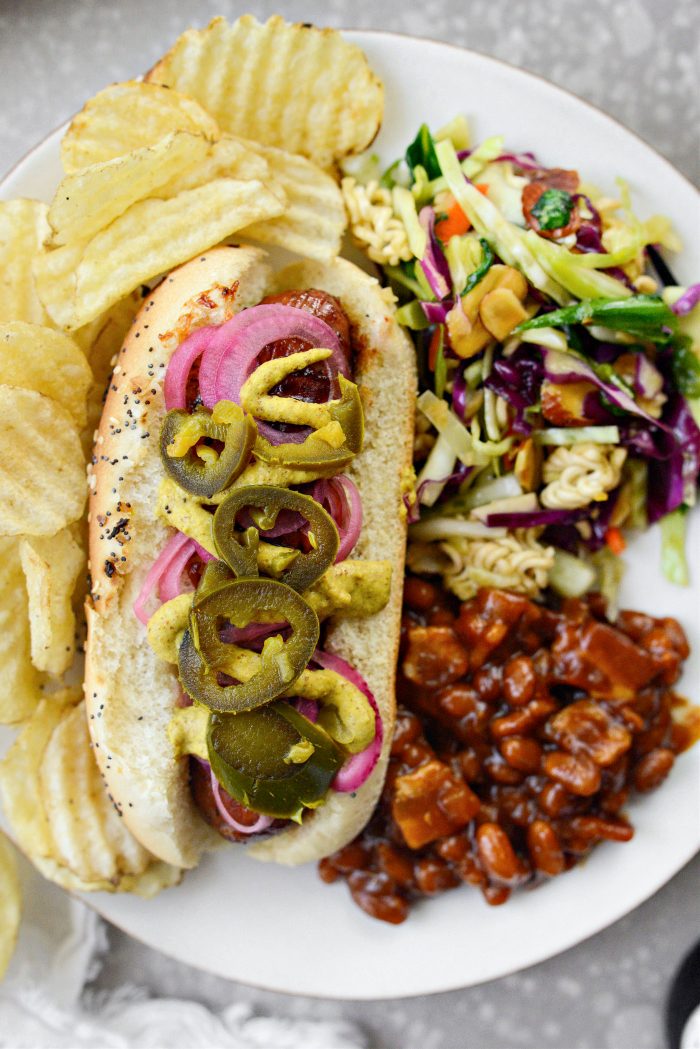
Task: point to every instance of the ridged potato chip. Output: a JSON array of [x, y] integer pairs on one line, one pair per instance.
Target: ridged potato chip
[[228, 158], [46, 361], [91, 838], [19, 680], [303, 89], [49, 774], [51, 568], [23, 229], [19, 782], [150, 238], [88, 200], [128, 116], [55, 277], [314, 220], [10, 903], [42, 469]]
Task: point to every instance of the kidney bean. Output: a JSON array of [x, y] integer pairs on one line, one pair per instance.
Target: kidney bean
[[408, 728], [554, 799], [350, 858], [653, 769], [328, 872], [545, 848], [373, 893], [500, 771], [419, 594], [522, 753], [469, 764], [487, 682], [578, 774], [497, 855], [519, 681], [594, 827], [453, 848], [495, 895], [397, 865], [433, 876]]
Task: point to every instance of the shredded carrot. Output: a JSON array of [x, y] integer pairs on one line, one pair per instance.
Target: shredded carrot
[[453, 225], [456, 222], [615, 540], [433, 349]]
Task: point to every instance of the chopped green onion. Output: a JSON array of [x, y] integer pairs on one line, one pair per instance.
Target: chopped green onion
[[464, 255], [673, 561], [644, 316], [482, 269], [568, 435]]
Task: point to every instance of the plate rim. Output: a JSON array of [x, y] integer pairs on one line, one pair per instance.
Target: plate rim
[[357, 35]]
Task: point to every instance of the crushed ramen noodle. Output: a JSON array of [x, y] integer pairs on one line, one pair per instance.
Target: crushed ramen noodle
[[574, 476], [373, 223]]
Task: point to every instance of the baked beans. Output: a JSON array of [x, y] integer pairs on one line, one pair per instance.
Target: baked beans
[[521, 732]]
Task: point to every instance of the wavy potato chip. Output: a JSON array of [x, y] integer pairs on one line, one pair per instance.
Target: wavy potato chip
[[19, 681], [42, 469], [228, 158], [55, 277], [58, 808], [51, 568], [19, 782], [88, 200], [150, 238], [314, 220], [10, 903], [129, 116], [91, 838], [23, 229], [303, 89], [46, 361]]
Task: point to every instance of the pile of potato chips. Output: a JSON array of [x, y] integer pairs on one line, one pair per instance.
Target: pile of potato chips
[[233, 134]]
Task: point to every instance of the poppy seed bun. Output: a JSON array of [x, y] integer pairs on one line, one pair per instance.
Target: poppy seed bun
[[130, 693]]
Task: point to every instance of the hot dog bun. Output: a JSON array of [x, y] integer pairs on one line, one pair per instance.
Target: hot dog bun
[[130, 692]]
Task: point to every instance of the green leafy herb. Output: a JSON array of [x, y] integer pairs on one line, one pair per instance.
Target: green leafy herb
[[553, 209], [644, 316], [411, 315], [482, 269], [685, 365], [422, 151]]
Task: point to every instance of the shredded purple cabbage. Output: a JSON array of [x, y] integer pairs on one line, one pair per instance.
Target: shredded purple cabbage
[[459, 393], [434, 263], [688, 301], [517, 379], [534, 518], [526, 160], [436, 312], [670, 478]]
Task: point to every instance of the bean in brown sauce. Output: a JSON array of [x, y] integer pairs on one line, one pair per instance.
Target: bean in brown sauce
[[521, 732]]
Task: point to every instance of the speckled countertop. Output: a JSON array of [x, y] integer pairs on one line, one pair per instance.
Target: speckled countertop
[[638, 60]]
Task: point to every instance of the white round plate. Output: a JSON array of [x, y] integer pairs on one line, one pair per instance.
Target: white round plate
[[284, 929]]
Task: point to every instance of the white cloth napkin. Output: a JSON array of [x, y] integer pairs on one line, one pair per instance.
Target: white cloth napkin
[[43, 1002]]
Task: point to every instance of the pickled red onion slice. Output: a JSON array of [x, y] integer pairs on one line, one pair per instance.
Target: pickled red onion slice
[[262, 822], [340, 497], [165, 574], [358, 766], [180, 366]]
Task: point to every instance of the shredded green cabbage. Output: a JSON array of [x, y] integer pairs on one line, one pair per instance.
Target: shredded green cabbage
[[563, 266], [405, 208], [568, 435], [673, 560], [570, 576], [505, 238]]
